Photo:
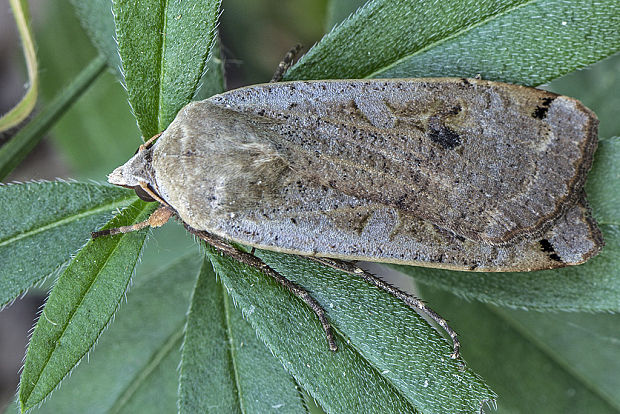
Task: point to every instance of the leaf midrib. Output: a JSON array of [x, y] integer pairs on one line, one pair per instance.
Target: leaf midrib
[[172, 342], [452, 36], [67, 219]]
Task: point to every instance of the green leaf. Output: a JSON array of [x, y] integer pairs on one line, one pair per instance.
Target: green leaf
[[45, 376], [14, 151], [224, 367], [530, 368], [106, 135], [605, 175], [59, 219], [48, 375], [526, 42], [567, 337], [389, 358], [79, 307], [163, 48], [134, 366], [593, 286], [155, 393]]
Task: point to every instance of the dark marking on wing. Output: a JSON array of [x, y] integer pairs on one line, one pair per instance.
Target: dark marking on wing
[[541, 111], [350, 218], [455, 110], [547, 247], [442, 134]]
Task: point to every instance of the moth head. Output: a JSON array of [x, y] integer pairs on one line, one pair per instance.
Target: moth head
[[135, 171]]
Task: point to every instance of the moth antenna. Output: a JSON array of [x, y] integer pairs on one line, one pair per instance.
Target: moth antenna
[[411, 301], [287, 62], [149, 143], [158, 218], [225, 248]]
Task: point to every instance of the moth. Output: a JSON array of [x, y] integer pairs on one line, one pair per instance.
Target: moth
[[453, 173]]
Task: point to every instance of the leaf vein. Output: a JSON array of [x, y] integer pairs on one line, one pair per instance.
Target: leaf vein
[[68, 219], [168, 346]]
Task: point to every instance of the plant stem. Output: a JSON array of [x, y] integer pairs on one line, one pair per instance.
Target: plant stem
[[18, 147]]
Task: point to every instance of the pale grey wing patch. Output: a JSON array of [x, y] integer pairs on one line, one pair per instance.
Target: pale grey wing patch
[[469, 173], [575, 237], [374, 111], [556, 185]]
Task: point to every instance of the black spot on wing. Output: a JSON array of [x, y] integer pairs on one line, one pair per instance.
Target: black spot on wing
[[541, 110], [455, 110], [547, 247], [443, 135]]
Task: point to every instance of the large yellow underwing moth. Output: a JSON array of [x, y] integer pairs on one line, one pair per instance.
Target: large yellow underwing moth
[[462, 174]]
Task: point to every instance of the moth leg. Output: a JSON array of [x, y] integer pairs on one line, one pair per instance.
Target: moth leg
[[286, 63], [413, 302], [157, 219], [225, 248]]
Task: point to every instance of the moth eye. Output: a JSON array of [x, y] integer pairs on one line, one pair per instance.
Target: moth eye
[[137, 149], [143, 195]]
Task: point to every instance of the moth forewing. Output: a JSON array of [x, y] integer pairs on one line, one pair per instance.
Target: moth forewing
[[460, 174]]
